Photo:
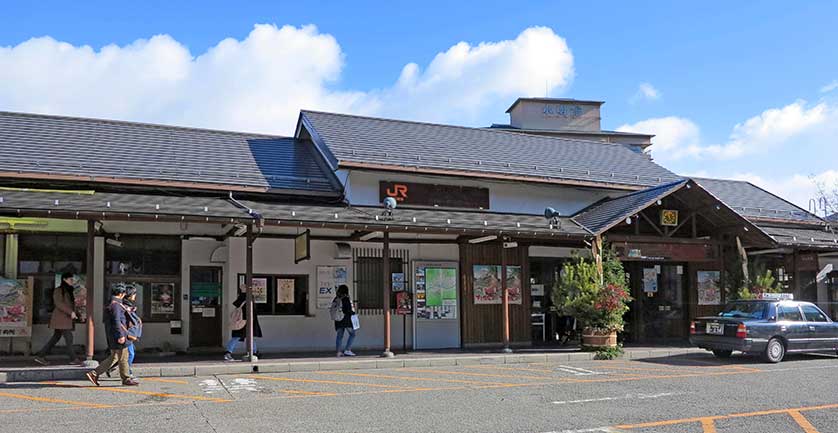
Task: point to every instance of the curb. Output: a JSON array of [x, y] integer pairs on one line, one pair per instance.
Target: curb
[[76, 373]]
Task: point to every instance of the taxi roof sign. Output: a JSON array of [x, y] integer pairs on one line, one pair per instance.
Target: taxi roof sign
[[776, 296]]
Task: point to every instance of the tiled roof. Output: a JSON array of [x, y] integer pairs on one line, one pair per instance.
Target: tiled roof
[[803, 237], [358, 141], [607, 214], [756, 203], [123, 152]]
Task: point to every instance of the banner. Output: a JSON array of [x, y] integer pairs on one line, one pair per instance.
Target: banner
[[487, 284], [16, 307], [708, 288]]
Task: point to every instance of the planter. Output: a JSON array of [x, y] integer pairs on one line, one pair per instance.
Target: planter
[[593, 338]]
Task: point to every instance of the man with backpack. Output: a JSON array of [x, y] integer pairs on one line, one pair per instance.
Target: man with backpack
[[135, 327], [341, 313], [116, 331]]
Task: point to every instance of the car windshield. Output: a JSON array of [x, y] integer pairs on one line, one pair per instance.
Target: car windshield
[[744, 310]]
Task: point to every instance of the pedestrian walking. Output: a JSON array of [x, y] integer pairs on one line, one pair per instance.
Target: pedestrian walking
[[240, 335], [62, 320], [135, 328], [341, 313], [116, 331]]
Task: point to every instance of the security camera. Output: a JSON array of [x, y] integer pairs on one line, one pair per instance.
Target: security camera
[[390, 203]]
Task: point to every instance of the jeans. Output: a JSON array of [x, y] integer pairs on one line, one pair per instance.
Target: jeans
[[339, 338], [68, 340], [119, 357], [231, 345]]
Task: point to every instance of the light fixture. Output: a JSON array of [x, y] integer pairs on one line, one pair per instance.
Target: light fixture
[[628, 220], [482, 239], [660, 202], [114, 242]]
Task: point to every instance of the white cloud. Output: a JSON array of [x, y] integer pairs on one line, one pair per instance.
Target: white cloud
[[830, 87], [675, 137], [260, 83], [646, 91]]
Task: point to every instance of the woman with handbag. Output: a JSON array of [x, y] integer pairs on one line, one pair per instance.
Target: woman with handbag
[[63, 319], [343, 303], [239, 318]]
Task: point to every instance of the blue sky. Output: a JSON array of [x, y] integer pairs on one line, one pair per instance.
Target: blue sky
[[705, 68]]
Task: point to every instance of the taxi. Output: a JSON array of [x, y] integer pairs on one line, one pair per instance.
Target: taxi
[[771, 326]]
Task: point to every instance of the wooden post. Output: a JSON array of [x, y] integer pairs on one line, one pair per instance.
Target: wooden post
[[796, 265], [596, 250], [505, 294], [388, 282], [90, 282], [248, 282]]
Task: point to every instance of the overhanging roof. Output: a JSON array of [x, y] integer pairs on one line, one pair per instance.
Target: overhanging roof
[[607, 214], [755, 203], [815, 238]]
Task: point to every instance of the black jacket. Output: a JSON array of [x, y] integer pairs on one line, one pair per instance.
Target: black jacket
[[116, 326], [346, 306], [242, 333]]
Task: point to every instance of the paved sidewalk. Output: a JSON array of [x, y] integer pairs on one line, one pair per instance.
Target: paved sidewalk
[[207, 365]]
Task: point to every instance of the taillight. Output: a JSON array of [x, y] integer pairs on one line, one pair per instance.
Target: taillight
[[692, 327], [741, 331]]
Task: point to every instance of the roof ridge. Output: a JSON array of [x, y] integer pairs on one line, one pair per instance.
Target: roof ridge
[[476, 128], [135, 123]]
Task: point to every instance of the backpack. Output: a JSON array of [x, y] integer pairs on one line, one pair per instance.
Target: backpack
[[237, 321], [136, 328], [336, 310]]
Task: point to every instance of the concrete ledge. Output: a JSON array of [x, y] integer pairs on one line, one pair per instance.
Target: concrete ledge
[[414, 363], [304, 366], [348, 365], [3, 377], [232, 368], [147, 371], [556, 357], [443, 362], [390, 363], [276, 367], [181, 371], [526, 359]]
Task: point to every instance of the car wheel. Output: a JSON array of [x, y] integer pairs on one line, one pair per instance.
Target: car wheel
[[774, 351], [722, 353]]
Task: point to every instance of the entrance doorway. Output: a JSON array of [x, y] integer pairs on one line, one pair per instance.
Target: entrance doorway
[[659, 308], [205, 306]]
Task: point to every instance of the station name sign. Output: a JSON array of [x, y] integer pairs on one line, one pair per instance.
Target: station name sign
[[562, 110], [424, 194]]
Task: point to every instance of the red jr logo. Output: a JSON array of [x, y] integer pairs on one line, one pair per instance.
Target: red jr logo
[[399, 192]]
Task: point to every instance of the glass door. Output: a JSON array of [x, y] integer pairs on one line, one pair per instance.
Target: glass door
[[663, 310], [205, 306]]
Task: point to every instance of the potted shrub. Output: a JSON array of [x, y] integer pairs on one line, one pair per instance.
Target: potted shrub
[[598, 302]]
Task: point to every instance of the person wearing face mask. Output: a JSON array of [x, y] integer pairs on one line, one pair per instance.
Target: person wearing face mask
[[62, 320]]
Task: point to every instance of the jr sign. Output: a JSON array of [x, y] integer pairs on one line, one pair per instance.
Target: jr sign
[[423, 194]]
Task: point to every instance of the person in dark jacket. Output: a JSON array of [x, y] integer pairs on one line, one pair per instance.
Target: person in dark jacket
[[135, 327], [116, 331], [240, 335], [63, 319], [346, 323]]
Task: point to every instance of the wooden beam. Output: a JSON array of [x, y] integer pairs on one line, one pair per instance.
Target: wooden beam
[[678, 227], [652, 223]]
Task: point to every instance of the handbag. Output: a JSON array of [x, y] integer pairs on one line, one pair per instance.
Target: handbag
[[356, 323], [237, 321]]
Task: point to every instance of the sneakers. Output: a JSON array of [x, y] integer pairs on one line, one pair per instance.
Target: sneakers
[[340, 354], [40, 360], [92, 377], [130, 382], [228, 356], [348, 353]]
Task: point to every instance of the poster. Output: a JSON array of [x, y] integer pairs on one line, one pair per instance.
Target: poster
[[79, 294], [650, 280], [404, 306], [285, 291], [436, 292], [708, 288], [260, 291], [487, 284], [162, 299], [398, 282], [16, 307], [328, 280]]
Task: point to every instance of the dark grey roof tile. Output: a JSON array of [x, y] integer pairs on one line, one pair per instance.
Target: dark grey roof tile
[[756, 203]]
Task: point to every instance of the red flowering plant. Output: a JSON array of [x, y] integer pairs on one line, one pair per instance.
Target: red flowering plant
[[597, 302]]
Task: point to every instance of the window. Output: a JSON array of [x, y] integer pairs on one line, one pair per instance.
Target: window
[[279, 295], [813, 314], [369, 281], [789, 312], [152, 266], [43, 256], [744, 310]]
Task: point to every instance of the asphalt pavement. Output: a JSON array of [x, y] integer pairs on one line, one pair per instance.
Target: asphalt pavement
[[686, 393]]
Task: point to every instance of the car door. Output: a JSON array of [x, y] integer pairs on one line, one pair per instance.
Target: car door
[[823, 334], [793, 327]]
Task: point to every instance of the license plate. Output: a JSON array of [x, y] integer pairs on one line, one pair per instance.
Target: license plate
[[715, 329]]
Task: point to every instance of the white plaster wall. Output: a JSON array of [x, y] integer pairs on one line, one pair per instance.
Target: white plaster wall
[[507, 197]]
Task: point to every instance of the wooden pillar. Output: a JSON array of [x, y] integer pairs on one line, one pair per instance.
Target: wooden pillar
[[248, 282], [90, 282], [388, 283], [505, 297], [596, 250]]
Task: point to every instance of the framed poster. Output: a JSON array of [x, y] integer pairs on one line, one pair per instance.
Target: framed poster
[[650, 280], [436, 291], [487, 284], [328, 280], [709, 292], [16, 307], [284, 291], [162, 299], [513, 284], [79, 294], [404, 305], [260, 290], [397, 279]]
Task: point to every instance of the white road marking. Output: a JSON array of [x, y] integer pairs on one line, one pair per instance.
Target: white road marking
[[243, 385], [211, 385], [623, 397], [578, 371]]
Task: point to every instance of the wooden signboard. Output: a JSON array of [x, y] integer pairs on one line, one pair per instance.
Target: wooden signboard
[[423, 194]]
